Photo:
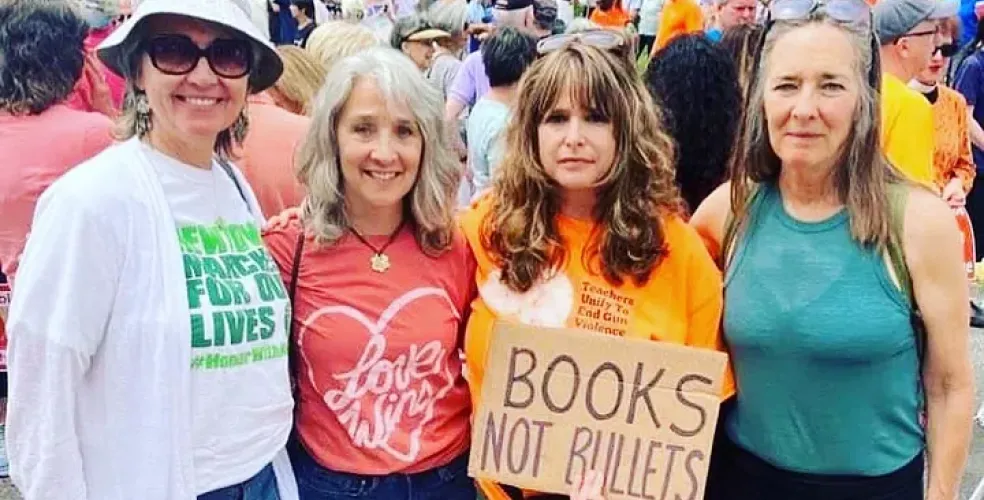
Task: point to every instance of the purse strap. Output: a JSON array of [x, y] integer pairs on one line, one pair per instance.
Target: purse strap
[[292, 336]]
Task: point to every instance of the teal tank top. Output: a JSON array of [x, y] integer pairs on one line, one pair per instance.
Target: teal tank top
[[823, 351]]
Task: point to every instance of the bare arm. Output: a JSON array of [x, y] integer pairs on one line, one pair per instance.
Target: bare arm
[[710, 217], [934, 256]]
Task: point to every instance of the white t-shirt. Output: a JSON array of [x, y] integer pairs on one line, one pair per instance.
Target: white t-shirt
[[241, 393]]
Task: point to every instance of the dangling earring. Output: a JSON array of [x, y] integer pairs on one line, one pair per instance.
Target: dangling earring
[[240, 127], [141, 106]]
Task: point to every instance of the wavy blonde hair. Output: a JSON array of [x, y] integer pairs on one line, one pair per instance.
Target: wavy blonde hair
[[520, 231], [336, 40], [302, 78], [430, 205]]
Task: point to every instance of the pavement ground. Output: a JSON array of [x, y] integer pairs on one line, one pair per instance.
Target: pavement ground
[[973, 475]]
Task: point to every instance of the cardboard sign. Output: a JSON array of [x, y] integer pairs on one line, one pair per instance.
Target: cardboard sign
[[558, 402]]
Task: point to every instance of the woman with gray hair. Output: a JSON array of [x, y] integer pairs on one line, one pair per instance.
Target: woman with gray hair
[[845, 292], [149, 331], [416, 37], [381, 282]]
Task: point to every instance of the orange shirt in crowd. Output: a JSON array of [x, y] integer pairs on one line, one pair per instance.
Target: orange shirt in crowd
[[36, 151], [267, 155], [380, 383], [681, 303], [679, 17], [952, 156], [611, 18]]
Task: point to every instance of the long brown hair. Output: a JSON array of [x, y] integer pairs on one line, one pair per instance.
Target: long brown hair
[[520, 232]]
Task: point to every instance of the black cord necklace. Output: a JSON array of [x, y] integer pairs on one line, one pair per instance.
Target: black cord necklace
[[379, 262]]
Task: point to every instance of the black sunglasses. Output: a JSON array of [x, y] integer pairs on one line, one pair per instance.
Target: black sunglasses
[[947, 49], [179, 55]]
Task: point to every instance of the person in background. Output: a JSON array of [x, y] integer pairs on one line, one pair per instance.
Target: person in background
[[416, 37], [730, 14], [678, 17], [335, 40], [742, 42], [303, 12], [377, 239], [285, 24], [908, 35], [953, 163], [840, 396], [43, 53], [969, 81], [450, 16], [479, 17], [301, 80], [648, 15], [505, 55], [129, 245], [538, 17], [609, 14], [98, 89], [696, 84]]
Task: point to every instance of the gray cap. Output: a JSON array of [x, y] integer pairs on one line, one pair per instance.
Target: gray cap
[[895, 18]]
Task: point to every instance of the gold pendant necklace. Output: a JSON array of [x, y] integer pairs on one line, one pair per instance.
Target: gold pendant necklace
[[379, 261]]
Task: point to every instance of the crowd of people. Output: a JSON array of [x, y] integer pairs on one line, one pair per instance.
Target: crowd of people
[[257, 249]]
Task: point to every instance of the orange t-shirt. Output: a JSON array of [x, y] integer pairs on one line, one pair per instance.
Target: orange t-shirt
[[612, 18], [679, 17], [379, 363], [681, 303]]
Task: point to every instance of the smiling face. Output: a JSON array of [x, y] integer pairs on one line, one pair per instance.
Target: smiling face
[[577, 145], [811, 91], [196, 107], [380, 148]]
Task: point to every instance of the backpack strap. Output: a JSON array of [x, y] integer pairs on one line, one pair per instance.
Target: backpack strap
[[898, 198]]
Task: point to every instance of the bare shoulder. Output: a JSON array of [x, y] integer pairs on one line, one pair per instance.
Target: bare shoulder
[[930, 227], [711, 215]]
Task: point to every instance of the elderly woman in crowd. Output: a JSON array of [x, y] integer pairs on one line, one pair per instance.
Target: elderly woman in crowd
[[149, 329], [416, 37], [696, 83], [585, 198], [450, 16], [41, 58], [375, 255], [836, 373]]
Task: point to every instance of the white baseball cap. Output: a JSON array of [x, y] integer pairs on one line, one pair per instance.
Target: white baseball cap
[[233, 14]]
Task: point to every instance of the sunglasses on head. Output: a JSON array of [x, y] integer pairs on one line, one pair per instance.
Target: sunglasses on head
[[600, 39], [855, 12], [179, 55]]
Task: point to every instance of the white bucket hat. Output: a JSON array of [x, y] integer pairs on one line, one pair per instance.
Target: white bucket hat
[[268, 67]]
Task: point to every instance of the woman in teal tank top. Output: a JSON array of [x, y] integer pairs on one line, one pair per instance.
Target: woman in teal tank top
[[831, 386]]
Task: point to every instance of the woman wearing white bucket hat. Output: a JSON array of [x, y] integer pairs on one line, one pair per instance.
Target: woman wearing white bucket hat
[[150, 320]]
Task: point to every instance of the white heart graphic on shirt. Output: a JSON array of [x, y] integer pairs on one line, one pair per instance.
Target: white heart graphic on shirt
[[396, 388]]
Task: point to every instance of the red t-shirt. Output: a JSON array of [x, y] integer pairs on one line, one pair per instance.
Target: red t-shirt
[[380, 380]]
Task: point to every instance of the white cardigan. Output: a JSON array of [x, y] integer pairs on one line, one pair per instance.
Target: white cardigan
[[99, 353]]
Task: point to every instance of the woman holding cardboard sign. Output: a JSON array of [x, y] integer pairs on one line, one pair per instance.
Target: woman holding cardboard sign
[[828, 242], [582, 228]]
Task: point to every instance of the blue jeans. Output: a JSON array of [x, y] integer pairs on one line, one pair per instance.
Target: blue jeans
[[314, 482], [262, 486]]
